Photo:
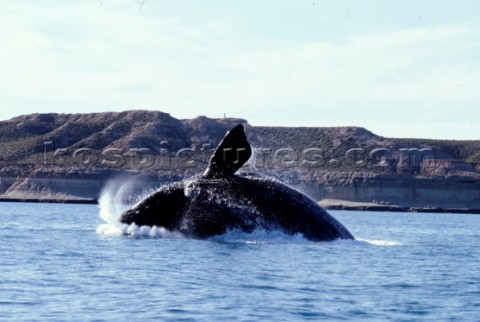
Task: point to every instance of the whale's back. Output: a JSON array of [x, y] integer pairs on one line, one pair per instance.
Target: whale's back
[[255, 202]]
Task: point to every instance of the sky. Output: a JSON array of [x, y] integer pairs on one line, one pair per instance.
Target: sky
[[398, 68]]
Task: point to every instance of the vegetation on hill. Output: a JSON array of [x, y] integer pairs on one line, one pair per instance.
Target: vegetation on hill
[[155, 140]]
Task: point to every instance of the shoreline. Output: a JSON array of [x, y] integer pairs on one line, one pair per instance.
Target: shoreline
[[39, 200], [406, 209], [352, 206], [338, 204]]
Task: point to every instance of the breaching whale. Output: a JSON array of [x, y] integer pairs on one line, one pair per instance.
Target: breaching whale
[[218, 200]]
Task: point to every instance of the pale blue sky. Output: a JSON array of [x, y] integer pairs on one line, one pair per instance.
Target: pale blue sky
[[398, 68]]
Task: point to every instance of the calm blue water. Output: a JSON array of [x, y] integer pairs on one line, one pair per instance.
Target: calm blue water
[[59, 264]]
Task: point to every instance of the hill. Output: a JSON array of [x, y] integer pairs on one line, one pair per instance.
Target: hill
[[71, 156]]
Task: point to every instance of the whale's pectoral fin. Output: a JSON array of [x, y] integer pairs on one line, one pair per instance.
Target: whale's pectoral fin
[[231, 154]]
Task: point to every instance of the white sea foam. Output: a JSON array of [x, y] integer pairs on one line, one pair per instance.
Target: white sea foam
[[112, 230], [109, 230], [379, 242], [147, 231], [259, 236], [262, 236]]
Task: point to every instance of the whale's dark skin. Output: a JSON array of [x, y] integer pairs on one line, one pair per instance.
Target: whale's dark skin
[[218, 200]]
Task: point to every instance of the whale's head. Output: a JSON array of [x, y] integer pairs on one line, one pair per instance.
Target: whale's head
[[163, 208]]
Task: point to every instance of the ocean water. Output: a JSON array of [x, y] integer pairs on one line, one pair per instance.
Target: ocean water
[[63, 262]]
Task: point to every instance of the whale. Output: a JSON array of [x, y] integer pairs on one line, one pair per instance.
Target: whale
[[220, 200]]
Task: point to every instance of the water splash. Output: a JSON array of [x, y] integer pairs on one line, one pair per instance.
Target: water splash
[[112, 201], [117, 196]]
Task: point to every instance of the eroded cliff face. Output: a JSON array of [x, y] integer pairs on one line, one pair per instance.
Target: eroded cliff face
[[52, 189], [72, 156]]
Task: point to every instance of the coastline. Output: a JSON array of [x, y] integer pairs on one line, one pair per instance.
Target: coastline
[[326, 204], [48, 200], [336, 204], [408, 209]]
